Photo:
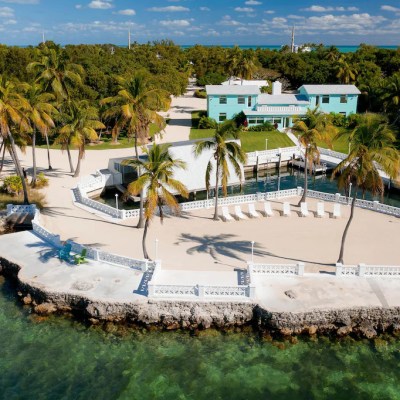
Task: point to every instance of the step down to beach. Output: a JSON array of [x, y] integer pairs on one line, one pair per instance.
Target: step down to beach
[[19, 221]]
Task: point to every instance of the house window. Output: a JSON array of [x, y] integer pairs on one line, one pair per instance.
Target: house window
[[277, 120], [222, 99], [241, 100], [343, 98], [249, 101], [260, 120], [317, 100], [222, 117], [325, 99]]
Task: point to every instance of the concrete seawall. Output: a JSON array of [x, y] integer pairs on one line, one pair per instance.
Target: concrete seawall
[[179, 314]]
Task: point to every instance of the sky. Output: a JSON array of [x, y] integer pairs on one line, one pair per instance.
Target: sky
[[210, 22]]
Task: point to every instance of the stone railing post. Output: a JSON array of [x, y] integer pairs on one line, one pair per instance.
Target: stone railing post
[[200, 290], [150, 290], [376, 204], [339, 269], [252, 292], [300, 269], [145, 266], [361, 270], [299, 190], [96, 255], [9, 209], [337, 197], [57, 240]]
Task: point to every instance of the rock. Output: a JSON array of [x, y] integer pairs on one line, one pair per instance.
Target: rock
[[286, 331], [27, 299], [312, 329], [344, 330], [94, 321], [45, 309], [367, 330], [290, 294]]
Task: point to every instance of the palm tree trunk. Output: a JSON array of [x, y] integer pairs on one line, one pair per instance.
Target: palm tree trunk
[[145, 254], [78, 165], [140, 223], [71, 167], [303, 198], [4, 147], [48, 150], [18, 167], [216, 193], [341, 254], [33, 181]]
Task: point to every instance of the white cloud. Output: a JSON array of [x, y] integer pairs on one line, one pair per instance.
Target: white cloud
[[6, 12], [175, 23], [244, 9], [292, 16], [317, 8], [78, 6], [252, 2], [228, 21], [390, 8], [269, 12], [128, 11], [168, 9], [204, 9], [100, 4], [10, 22]]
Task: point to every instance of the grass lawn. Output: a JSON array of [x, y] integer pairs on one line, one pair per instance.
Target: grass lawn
[[251, 141], [341, 145], [106, 141]]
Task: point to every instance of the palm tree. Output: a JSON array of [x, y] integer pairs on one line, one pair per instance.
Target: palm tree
[[58, 76], [372, 147], [39, 114], [314, 128], [346, 72], [391, 92], [135, 107], [82, 123], [12, 106], [157, 181], [246, 66], [224, 152]]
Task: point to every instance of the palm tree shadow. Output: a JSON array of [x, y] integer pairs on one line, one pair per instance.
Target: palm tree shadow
[[221, 245]]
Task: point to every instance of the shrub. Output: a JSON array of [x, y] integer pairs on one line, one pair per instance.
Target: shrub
[[240, 119], [201, 94], [207, 123], [211, 78], [12, 185], [266, 126], [353, 120], [41, 181], [339, 120]]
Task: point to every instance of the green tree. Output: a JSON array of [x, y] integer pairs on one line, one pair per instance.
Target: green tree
[[40, 116], [372, 147], [315, 127], [223, 153], [82, 121], [391, 94], [134, 108], [12, 120], [157, 181], [346, 73]]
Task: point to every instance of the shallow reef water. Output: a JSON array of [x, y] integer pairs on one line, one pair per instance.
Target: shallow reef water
[[60, 358]]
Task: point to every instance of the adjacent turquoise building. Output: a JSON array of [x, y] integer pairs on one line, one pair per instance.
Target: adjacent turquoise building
[[224, 102]]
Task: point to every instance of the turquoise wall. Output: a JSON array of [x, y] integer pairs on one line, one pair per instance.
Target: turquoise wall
[[231, 108]]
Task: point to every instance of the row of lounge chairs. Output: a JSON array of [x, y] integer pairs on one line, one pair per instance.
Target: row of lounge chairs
[[268, 212]]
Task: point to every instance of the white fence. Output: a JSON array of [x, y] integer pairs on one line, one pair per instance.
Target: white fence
[[368, 271], [23, 208], [275, 269], [92, 253], [268, 156], [331, 153]]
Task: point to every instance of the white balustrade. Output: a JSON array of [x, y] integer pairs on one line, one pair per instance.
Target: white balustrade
[[275, 269], [225, 291], [278, 110], [172, 290], [332, 153], [368, 271], [109, 258], [21, 208]]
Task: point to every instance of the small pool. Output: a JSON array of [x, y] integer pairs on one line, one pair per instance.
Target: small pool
[[265, 181]]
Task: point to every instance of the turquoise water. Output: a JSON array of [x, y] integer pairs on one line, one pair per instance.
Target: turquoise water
[[342, 49], [58, 358]]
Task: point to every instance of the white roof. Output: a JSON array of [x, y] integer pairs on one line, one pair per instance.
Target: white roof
[[282, 99], [244, 82], [331, 89], [232, 89]]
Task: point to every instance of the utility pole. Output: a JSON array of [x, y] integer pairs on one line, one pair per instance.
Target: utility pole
[[292, 44], [43, 39], [129, 39]]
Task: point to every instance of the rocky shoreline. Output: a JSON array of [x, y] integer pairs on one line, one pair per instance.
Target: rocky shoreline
[[171, 315]]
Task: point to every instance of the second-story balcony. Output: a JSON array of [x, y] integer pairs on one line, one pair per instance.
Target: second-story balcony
[[282, 110]]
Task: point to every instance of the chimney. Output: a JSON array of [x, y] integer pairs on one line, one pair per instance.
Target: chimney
[[276, 88]]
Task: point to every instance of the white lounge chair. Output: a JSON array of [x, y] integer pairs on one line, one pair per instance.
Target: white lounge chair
[[320, 209], [238, 213], [267, 209], [337, 210], [225, 214], [252, 211], [304, 209], [286, 209]]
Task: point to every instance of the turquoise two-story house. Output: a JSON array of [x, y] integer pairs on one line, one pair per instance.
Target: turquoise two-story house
[[224, 102]]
